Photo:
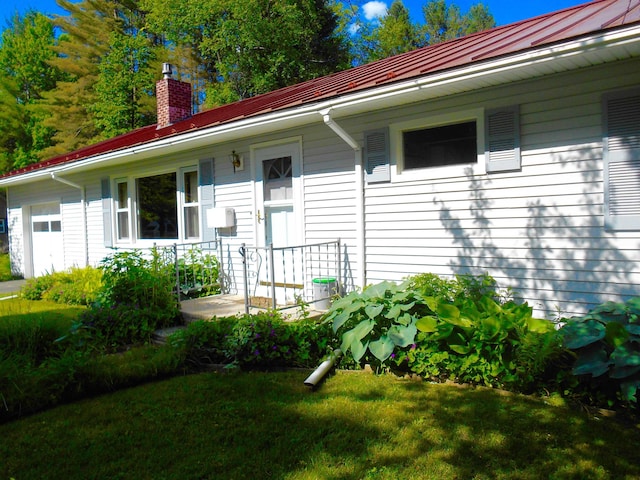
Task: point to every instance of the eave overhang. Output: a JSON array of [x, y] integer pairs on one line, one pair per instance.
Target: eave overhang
[[602, 47]]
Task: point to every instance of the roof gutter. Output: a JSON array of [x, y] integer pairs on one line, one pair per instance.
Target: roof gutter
[[347, 103], [359, 180]]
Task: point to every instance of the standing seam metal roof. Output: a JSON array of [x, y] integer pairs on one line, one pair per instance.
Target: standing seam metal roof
[[563, 25]]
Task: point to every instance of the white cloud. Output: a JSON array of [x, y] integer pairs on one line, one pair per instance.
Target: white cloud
[[374, 10]]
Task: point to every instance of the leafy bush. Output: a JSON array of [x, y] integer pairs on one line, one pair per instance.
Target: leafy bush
[[606, 344], [77, 286], [254, 341], [136, 299], [462, 333], [462, 286]]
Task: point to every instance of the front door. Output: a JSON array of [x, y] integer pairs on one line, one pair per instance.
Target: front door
[[46, 239], [278, 211]]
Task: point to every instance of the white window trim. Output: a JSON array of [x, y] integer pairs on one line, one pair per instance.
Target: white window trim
[[182, 203], [133, 208], [399, 174], [116, 210]]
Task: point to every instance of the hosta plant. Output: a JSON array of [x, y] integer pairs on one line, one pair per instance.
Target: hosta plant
[[606, 342], [377, 320]]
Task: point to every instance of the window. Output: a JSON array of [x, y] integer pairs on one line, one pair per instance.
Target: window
[[443, 145], [157, 207], [278, 179], [621, 148], [475, 141], [191, 204], [122, 209]]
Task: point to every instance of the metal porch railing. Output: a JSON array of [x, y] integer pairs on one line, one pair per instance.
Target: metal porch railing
[[286, 277]]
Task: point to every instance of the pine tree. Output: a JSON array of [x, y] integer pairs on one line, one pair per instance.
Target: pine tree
[[27, 46]]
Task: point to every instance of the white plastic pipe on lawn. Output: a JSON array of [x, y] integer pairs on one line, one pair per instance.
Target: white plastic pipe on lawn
[[324, 368]]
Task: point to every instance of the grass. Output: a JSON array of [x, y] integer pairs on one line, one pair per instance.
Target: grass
[[5, 267], [356, 426]]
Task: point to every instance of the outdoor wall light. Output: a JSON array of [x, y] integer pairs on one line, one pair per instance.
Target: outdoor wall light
[[237, 161]]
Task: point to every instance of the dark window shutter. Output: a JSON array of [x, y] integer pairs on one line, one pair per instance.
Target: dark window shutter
[[376, 156], [105, 186], [502, 139], [622, 160], [205, 180]]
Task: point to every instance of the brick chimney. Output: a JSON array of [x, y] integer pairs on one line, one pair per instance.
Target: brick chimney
[[173, 97]]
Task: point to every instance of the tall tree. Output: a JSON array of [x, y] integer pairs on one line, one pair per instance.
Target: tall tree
[[395, 34], [27, 47], [124, 87], [445, 22], [253, 46], [95, 31]]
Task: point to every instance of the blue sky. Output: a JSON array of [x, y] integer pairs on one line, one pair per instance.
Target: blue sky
[[505, 11]]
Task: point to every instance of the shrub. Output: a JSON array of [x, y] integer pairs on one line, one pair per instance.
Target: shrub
[[462, 333], [606, 344], [254, 341], [77, 286], [136, 299]]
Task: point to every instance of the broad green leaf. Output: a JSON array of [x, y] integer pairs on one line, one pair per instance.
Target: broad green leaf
[[490, 327], [379, 290], [633, 329], [339, 320], [444, 330], [402, 335], [461, 349], [615, 334], [358, 349], [446, 311], [373, 311], [394, 312], [634, 305], [405, 319], [629, 390], [609, 312], [427, 324], [382, 348], [432, 303], [539, 325], [353, 336], [488, 304], [592, 361], [626, 355], [578, 334]]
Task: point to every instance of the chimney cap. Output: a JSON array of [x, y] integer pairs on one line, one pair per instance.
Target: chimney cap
[[166, 70]]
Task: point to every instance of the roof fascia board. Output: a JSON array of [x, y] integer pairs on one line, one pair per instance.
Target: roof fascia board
[[343, 105]]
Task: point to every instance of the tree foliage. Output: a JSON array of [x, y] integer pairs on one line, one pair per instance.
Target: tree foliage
[[90, 74], [26, 76]]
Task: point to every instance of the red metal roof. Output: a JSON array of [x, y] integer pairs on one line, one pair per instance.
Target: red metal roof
[[526, 35]]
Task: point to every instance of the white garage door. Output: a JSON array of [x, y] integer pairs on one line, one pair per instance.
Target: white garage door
[[46, 239]]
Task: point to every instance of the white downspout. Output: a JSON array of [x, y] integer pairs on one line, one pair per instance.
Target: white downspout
[[83, 201], [359, 173]]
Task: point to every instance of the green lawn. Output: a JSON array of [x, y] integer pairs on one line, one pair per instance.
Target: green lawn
[[356, 426]]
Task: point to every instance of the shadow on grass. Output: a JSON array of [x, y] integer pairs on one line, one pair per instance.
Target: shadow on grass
[[263, 426]]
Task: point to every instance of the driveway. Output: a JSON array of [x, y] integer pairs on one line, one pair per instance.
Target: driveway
[[11, 286]]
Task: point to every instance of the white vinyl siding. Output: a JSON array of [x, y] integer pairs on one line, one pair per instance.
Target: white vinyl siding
[[539, 230]]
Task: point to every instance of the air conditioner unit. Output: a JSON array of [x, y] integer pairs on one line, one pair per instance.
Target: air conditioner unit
[[221, 217]]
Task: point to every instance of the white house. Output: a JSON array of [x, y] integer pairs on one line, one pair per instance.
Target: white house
[[514, 151]]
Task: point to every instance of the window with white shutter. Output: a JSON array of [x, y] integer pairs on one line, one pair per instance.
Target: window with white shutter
[[621, 149], [502, 139], [376, 155]]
